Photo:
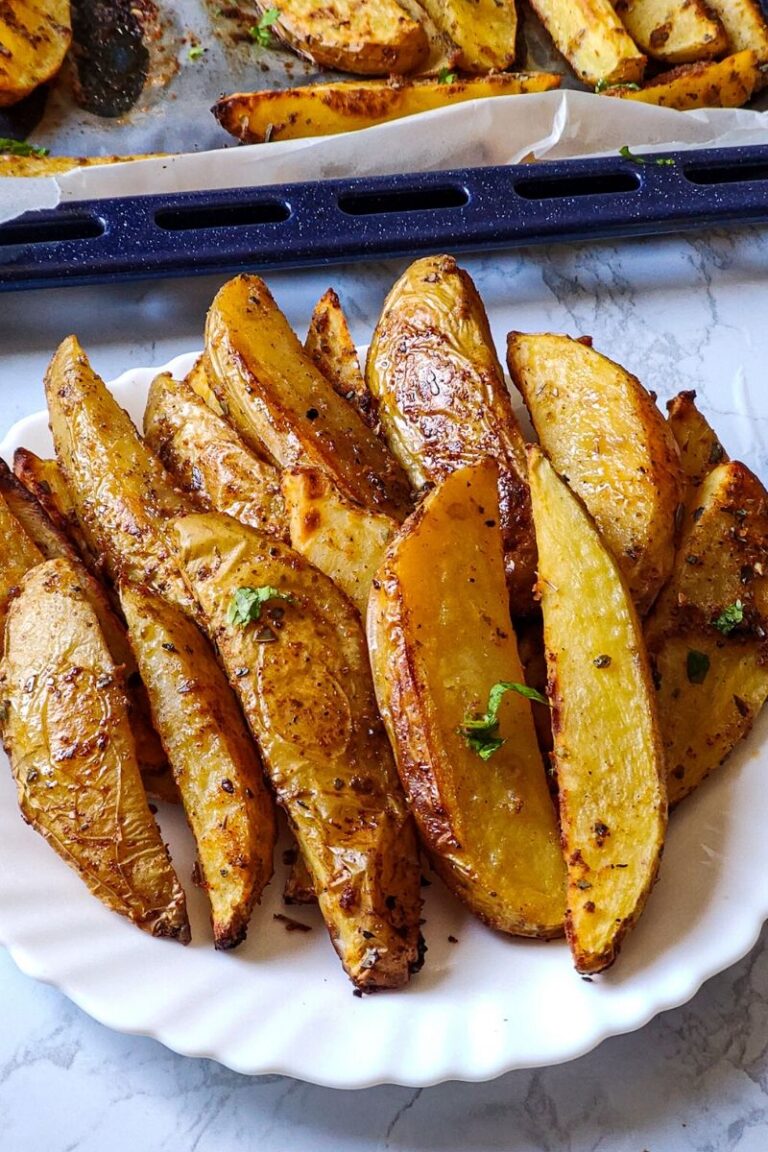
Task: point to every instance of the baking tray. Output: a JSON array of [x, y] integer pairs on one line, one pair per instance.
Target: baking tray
[[318, 223]]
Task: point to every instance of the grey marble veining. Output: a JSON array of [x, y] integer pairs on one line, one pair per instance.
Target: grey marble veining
[[679, 312]]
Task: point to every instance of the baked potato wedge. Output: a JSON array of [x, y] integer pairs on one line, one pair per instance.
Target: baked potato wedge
[[66, 732], [727, 83], [208, 460], [675, 31], [199, 380], [294, 650], [329, 343], [346, 106], [18, 553], [603, 432], [442, 401], [340, 538], [607, 749], [699, 445], [44, 480], [279, 402], [442, 53], [593, 40], [442, 646], [707, 633], [484, 31], [122, 495], [35, 36], [744, 23], [367, 39], [214, 762]]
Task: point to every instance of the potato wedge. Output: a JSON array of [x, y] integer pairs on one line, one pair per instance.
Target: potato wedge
[[675, 31], [329, 343], [34, 39], [341, 539], [700, 448], [727, 83], [18, 554], [208, 460], [215, 765], [592, 39], [603, 432], [442, 52], [44, 480], [66, 732], [707, 632], [744, 23], [440, 638], [280, 403], [122, 495], [199, 380], [346, 106], [442, 401], [367, 39], [484, 31], [302, 674], [607, 754]]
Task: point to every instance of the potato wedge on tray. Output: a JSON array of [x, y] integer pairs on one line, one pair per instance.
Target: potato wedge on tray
[[484, 31], [672, 30], [700, 447], [34, 39], [744, 23], [199, 379], [607, 749], [442, 401], [727, 83], [329, 343], [66, 731], [294, 650], [593, 40], [442, 645], [18, 553], [604, 433], [45, 481], [214, 762]]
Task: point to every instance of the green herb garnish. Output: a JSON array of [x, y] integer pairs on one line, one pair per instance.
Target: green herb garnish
[[605, 86], [730, 617], [247, 603], [482, 732], [261, 32], [662, 161], [196, 51], [445, 76], [697, 666], [10, 147]]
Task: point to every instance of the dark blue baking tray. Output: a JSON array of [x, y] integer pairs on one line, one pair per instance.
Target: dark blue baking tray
[[325, 222]]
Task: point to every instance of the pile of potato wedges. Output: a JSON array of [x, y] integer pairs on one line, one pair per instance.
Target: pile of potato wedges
[[362, 598]]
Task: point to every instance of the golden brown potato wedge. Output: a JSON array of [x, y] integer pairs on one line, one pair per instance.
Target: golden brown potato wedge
[[707, 632], [440, 639], [346, 106], [34, 39], [442, 401], [700, 448], [675, 31], [208, 460], [18, 553], [484, 31], [608, 754], [367, 39], [199, 380], [727, 83], [442, 52], [279, 401], [214, 763], [66, 731], [341, 539], [744, 23], [122, 495], [36, 165], [593, 40], [44, 480], [605, 435], [294, 651], [329, 343]]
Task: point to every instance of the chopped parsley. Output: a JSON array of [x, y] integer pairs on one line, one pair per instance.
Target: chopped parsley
[[196, 51], [606, 86], [482, 732], [247, 603], [697, 666], [261, 32], [661, 161], [730, 617], [446, 76], [10, 147]]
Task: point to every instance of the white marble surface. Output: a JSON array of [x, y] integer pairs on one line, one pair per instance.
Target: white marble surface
[[681, 313]]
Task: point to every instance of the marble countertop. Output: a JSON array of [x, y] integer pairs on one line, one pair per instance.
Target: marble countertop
[[676, 311]]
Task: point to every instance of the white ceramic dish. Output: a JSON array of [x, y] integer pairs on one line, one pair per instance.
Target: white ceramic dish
[[481, 1006]]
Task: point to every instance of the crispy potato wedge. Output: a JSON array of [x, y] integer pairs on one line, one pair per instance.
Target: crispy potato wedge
[[340, 538], [329, 343], [727, 83], [18, 553], [346, 106], [744, 23], [440, 638], [215, 765], [279, 401], [607, 754], [442, 401], [602, 431], [442, 53], [367, 39], [34, 39], [700, 448], [304, 682], [199, 380], [67, 735], [122, 495], [707, 632], [44, 480], [484, 31], [299, 888], [208, 460], [11, 165], [592, 39], [675, 31]]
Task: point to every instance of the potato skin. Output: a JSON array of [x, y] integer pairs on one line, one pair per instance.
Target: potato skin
[[304, 682], [18, 553], [593, 40], [214, 763], [440, 636], [727, 83], [442, 402], [67, 735], [44, 480], [699, 445], [330, 345], [34, 39]]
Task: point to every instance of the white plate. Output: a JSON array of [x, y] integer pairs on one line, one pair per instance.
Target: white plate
[[480, 1007]]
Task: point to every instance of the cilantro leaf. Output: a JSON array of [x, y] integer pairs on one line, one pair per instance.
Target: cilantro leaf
[[697, 666], [247, 603], [261, 32], [482, 732], [196, 51], [728, 619], [661, 161], [446, 76], [10, 147]]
